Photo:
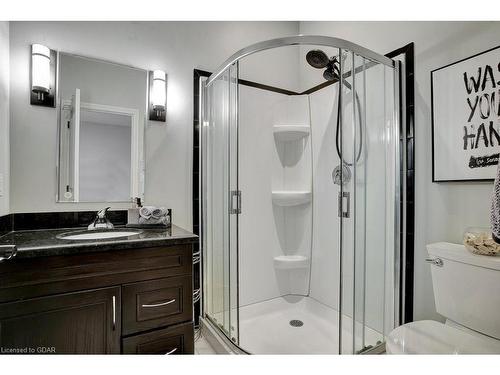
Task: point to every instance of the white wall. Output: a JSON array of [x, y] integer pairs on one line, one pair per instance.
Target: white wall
[[4, 116], [177, 48], [443, 210]]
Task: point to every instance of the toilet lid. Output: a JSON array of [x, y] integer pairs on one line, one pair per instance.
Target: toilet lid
[[431, 337]]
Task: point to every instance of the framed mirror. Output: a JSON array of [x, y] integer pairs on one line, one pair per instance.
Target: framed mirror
[[102, 109]]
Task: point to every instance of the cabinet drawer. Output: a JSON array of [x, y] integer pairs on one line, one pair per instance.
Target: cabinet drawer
[[178, 339], [157, 303]]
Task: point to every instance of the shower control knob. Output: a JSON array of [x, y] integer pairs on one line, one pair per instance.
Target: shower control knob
[[341, 175]]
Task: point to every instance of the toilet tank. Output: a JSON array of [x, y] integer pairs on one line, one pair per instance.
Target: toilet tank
[[466, 287]]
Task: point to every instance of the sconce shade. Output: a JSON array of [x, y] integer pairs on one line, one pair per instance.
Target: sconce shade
[[158, 95], [159, 92], [40, 69]]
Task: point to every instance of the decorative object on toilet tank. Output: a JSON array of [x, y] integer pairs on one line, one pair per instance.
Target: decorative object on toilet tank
[[466, 118], [43, 76], [480, 241], [157, 96]]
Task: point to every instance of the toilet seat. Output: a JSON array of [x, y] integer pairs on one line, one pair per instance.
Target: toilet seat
[[431, 337]]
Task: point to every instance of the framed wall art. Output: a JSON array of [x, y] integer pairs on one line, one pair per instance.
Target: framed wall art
[[465, 97]]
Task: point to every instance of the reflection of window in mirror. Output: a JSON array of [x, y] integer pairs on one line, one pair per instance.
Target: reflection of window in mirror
[[102, 111]]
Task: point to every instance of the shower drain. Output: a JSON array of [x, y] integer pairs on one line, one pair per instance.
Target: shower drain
[[296, 323]]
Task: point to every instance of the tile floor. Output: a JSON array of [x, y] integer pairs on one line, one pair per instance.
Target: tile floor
[[201, 346]]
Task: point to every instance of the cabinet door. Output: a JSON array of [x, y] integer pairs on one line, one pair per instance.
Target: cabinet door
[[85, 322]]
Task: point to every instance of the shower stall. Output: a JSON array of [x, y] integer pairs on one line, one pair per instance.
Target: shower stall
[[300, 198]]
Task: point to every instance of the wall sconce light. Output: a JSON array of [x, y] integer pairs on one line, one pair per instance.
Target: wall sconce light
[[43, 76], [157, 95]]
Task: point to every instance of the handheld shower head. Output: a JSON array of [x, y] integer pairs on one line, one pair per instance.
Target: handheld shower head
[[317, 59], [329, 74], [332, 71]]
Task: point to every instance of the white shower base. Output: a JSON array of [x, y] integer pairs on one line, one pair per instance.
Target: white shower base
[[265, 327]]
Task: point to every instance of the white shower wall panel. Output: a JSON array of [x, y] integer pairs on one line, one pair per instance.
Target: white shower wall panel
[[266, 165], [259, 232], [325, 253]]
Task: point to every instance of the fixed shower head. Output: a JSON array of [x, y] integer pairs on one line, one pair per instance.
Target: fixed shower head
[[317, 58]]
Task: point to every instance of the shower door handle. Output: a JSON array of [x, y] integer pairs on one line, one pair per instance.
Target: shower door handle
[[344, 196], [235, 202]]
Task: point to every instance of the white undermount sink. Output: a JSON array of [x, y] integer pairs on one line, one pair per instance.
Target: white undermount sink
[[100, 235]]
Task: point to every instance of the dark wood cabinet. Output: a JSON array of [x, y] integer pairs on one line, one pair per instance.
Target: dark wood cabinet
[[81, 322], [131, 301]]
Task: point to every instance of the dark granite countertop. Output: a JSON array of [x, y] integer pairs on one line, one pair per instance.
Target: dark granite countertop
[[44, 242]]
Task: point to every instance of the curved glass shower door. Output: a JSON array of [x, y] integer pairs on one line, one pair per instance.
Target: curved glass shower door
[[369, 205], [221, 201], [300, 200]]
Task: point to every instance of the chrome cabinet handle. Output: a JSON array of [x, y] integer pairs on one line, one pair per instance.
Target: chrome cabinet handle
[[160, 304], [8, 252], [436, 261], [114, 313], [170, 352]]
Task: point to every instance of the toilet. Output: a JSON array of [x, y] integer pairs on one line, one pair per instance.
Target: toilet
[[467, 293]]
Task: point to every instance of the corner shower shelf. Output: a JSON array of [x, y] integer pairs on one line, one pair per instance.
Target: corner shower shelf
[[287, 133], [289, 262], [288, 198]]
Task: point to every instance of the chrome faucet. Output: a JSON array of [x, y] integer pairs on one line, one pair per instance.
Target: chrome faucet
[[101, 221]]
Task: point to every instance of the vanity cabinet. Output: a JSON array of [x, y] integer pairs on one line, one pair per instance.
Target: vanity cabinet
[[120, 301]]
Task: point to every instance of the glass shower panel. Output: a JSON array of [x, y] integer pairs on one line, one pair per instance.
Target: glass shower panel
[[369, 226], [234, 204], [219, 137], [358, 93], [346, 200], [392, 202], [381, 181]]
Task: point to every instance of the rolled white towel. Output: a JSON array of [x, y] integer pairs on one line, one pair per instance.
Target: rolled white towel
[[146, 211], [158, 213]]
